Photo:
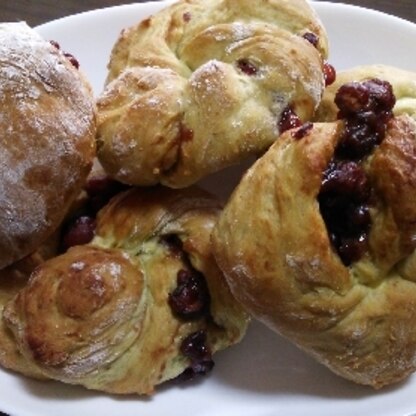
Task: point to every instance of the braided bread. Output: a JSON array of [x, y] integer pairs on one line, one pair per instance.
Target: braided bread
[[318, 240], [139, 305], [202, 85], [47, 143]]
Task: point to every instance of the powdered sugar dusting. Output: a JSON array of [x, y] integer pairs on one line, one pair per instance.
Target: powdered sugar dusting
[[78, 266], [46, 110], [241, 31]]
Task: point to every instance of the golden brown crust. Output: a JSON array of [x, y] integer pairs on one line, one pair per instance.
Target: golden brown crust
[[202, 85], [48, 139], [402, 81], [99, 314], [12, 279], [273, 246]]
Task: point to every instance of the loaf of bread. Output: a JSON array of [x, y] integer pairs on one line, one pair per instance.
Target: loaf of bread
[[47, 144], [143, 303], [204, 84], [318, 240]]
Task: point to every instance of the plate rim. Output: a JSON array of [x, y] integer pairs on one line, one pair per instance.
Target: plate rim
[[86, 14]]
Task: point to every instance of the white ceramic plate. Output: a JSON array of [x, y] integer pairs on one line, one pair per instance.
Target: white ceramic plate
[[264, 375]]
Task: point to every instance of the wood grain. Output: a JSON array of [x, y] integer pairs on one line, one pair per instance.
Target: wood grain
[[41, 11]]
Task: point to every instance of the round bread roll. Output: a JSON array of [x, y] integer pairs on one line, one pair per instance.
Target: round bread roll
[[318, 240], [47, 144], [402, 81], [204, 84], [142, 303]]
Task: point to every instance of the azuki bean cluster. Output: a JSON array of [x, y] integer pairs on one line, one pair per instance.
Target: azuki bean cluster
[[190, 300], [79, 228], [345, 194]]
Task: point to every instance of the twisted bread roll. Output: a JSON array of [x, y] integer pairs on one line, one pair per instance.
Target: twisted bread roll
[[13, 279], [142, 303], [402, 81], [48, 138], [202, 85], [321, 247]]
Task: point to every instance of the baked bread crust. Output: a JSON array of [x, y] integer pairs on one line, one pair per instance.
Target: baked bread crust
[[402, 81], [12, 279], [48, 139], [202, 85], [99, 315], [273, 246]]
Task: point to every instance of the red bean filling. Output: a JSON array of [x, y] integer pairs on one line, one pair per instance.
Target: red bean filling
[[100, 189], [302, 131], [345, 192], [288, 120], [329, 74], [195, 347], [80, 227], [79, 231], [247, 67], [67, 55], [329, 70], [71, 58], [311, 38], [190, 299]]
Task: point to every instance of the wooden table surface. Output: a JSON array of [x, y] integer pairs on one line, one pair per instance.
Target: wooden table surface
[[39, 11], [35, 12]]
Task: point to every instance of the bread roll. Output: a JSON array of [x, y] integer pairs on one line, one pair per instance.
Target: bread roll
[[202, 85], [142, 303], [318, 240], [47, 143]]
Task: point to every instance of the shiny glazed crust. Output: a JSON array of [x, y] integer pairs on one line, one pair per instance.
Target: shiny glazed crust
[[47, 142], [99, 316], [201, 85], [273, 246], [402, 81]]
